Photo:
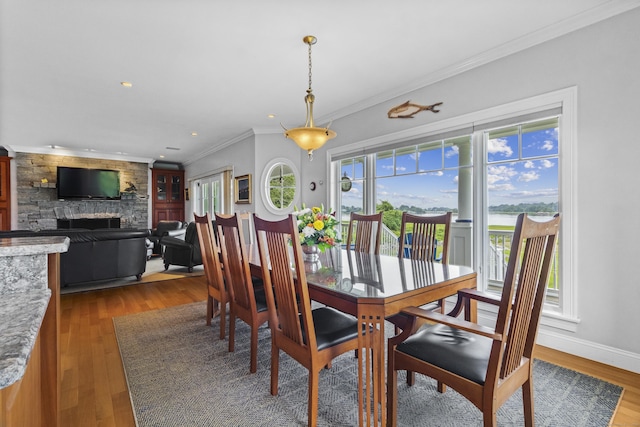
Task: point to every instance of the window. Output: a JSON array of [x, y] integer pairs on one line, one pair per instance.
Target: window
[[208, 195], [420, 178], [280, 187], [521, 172], [523, 154]]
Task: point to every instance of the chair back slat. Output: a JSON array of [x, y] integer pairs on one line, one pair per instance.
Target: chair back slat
[[532, 252], [235, 261], [424, 244], [287, 296], [210, 252], [364, 233]]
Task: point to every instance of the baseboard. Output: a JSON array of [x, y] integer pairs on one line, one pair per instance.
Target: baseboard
[[589, 350]]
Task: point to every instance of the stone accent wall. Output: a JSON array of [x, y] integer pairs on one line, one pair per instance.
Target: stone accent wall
[[38, 204]]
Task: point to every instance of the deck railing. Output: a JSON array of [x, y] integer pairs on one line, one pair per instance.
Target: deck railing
[[499, 249], [388, 239]]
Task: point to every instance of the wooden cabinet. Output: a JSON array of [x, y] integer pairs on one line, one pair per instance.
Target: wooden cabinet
[[167, 192], [5, 193]]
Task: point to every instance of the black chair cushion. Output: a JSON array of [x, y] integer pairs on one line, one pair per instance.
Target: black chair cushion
[[457, 351], [333, 327], [261, 300]]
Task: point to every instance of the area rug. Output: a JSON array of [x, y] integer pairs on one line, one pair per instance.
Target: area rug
[[180, 374], [154, 272]]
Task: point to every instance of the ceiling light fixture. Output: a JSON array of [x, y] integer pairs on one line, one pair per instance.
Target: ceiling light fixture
[[194, 133], [126, 84], [309, 137]]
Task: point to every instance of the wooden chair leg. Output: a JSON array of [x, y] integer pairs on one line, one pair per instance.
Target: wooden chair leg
[[232, 332], [489, 411], [392, 391], [527, 400], [254, 349], [209, 310], [223, 319], [314, 378], [275, 364], [411, 378]]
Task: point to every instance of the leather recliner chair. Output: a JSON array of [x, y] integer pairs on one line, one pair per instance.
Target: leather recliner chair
[[165, 228], [183, 252]]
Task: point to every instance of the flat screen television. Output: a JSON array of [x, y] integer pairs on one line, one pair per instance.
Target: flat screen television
[[82, 183]]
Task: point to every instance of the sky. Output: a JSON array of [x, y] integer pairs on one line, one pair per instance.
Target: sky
[[515, 173]]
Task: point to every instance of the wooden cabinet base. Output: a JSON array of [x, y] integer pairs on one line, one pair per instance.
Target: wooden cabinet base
[[22, 401]]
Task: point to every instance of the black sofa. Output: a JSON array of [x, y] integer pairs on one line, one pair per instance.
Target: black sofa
[[96, 255]]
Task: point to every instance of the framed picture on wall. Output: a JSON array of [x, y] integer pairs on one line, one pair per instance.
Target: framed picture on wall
[[243, 189]]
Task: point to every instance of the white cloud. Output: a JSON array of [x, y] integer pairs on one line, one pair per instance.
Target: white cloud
[[499, 173], [528, 176], [529, 164], [543, 192], [452, 151], [546, 163], [499, 146], [548, 145], [500, 187]]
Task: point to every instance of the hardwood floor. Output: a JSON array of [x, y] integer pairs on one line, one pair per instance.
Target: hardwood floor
[[94, 389]]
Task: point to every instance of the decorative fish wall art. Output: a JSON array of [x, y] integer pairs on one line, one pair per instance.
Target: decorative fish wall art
[[409, 109]]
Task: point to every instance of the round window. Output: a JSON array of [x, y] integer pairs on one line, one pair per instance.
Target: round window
[[280, 185]]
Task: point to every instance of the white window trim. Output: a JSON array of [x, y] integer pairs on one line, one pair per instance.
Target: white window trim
[[264, 186], [567, 317]]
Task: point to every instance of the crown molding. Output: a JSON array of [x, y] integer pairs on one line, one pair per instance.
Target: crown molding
[[574, 23], [76, 153], [222, 145]]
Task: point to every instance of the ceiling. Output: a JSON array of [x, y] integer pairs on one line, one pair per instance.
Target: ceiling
[[220, 67]]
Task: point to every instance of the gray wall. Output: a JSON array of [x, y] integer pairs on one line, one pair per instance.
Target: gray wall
[[602, 61]]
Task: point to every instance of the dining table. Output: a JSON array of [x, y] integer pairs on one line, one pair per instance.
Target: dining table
[[372, 288]]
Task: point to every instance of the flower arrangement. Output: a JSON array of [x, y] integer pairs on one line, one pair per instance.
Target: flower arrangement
[[316, 227]]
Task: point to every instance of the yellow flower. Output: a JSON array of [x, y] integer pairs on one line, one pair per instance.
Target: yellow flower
[[318, 225], [316, 209]]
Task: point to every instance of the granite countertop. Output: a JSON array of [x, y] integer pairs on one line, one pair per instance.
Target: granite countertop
[[17, 246], [21, 315]]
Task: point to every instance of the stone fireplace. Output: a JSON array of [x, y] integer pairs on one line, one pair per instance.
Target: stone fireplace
[[40, 209]]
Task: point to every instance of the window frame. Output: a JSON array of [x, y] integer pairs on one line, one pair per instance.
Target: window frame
[[265, 189], [566, 316]]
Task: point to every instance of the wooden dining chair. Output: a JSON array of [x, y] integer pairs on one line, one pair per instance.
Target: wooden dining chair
[[418, 237], [247, 302], [312, 337], [485, 365], [217, 295], [363, 234], [418, 241]]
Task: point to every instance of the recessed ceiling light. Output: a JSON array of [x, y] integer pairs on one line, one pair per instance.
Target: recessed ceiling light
[[126, 84], [271, 116], [161, 156], [194, 133]]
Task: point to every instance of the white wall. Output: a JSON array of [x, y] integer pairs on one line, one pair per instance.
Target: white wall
[[602, 61], [240, 154]]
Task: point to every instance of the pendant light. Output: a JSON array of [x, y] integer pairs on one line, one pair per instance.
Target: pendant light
[[309, 137]]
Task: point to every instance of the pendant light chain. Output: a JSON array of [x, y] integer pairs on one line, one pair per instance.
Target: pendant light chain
[[309, 68]]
